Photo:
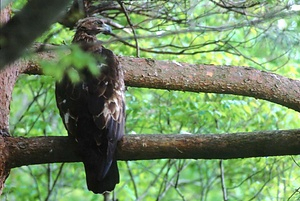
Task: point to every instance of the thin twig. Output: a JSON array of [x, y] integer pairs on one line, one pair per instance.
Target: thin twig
[[224, 190], [131, 26], [132, 179], [55, 181]]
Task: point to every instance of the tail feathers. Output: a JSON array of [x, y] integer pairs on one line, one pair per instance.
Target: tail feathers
[[97, 180]]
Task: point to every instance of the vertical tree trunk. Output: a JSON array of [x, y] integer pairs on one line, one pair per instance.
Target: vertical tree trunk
[[8, 78], [4, 170]]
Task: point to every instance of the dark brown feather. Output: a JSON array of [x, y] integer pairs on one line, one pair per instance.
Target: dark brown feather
[[93, 110]]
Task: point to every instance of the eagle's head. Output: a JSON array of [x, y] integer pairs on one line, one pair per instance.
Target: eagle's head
[[93, 26]]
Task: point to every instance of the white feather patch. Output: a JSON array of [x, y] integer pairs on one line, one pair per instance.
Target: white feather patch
[[66, 117]]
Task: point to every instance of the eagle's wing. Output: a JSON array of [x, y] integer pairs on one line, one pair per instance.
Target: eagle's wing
[[68, 99], [106, 103]]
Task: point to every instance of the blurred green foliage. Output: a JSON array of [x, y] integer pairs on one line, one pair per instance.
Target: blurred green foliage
[[34, 113]]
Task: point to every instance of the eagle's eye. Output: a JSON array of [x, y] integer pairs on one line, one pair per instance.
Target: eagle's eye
[[99, 22]]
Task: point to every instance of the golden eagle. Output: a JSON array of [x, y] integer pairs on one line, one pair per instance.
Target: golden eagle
[[93, 110]]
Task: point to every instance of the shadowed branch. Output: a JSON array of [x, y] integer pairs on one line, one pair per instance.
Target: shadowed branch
[[38, 150]]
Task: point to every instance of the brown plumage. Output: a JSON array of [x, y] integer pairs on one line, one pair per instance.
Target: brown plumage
[[93, 110]]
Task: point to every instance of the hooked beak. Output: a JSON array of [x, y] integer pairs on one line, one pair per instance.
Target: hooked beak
[[105, 29]]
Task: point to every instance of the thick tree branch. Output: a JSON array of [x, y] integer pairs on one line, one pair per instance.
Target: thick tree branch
[[39, 150], [170, 75], [235, 80]]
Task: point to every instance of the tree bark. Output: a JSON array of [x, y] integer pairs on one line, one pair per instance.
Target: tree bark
[[8, 78], [38, 150], [4, 170]]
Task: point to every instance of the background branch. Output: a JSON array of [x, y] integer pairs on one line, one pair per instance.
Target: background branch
[[18, 33]]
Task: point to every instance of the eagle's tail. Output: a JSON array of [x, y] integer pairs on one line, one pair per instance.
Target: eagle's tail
[[101, 176], [100, 182]]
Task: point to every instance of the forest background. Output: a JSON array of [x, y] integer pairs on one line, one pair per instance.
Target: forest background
[[259, 34]]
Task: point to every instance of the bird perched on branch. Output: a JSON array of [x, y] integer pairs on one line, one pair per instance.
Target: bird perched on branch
[[93, 109]]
